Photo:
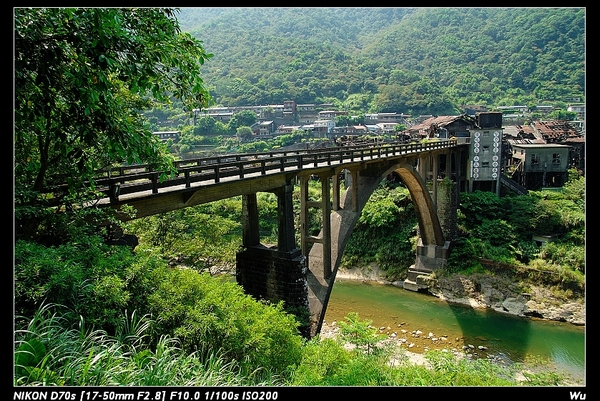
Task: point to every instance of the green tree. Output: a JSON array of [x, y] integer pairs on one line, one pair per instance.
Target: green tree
[[244, 133], [205, 125], [243, 118], [82, 75], [359, 333]]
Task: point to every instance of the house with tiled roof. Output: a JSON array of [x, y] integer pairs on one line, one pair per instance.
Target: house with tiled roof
[[442, 127], [555, 131], [541, 153]]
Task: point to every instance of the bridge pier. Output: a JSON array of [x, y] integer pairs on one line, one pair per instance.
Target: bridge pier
[[274, 273], [429, 258]]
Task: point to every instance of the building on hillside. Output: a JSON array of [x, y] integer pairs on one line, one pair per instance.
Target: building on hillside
[[288, 129], [350, 130], [387, 128], [555, 131], [536, 166], [289, 109], [576, 153], [544, 109], [166, 135], [472, 109], [549, 132], [331, 114], [484, 164], [266, 127], [483, 135], [578, 108], [322, 128], [306, 113], [376, 118], [442, 127]]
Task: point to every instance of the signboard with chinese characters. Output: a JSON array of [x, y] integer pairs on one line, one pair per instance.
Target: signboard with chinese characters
[[485, 154]]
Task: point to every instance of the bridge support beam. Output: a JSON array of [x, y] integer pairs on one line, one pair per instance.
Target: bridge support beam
[[286, 241], [436, 169], [273, 273], [250, 223], [325, 205]]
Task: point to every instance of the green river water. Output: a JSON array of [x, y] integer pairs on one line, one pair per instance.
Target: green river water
[[512, 337]]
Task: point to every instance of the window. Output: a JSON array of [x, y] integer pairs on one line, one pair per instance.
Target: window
[[556, 158], [535, 159]]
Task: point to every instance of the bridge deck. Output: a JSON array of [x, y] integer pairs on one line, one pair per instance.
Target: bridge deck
[[127, 184]]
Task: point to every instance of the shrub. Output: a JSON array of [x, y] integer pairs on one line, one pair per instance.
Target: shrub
[[321, 358], [209, 313], [88, 277]]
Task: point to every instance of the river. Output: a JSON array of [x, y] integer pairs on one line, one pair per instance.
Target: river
[[451, 326]]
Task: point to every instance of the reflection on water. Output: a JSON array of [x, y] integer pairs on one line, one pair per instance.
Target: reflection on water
[[512, 336]]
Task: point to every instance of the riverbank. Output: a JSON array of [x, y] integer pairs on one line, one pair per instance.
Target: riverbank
[[485, 291], [417, 336]]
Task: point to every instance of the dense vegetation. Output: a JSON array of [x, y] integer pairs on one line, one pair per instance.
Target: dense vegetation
[[90, 314], [416, 61], [173, 303]]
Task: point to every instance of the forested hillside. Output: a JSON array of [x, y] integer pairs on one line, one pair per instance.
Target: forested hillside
[[409, 60]]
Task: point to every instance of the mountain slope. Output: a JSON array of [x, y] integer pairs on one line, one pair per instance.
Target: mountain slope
[[411, 60]]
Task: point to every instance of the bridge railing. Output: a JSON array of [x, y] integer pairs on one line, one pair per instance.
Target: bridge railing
[[124, 180]]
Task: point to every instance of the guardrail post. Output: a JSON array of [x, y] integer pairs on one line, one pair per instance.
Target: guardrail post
[[113, 191], [155, 183]]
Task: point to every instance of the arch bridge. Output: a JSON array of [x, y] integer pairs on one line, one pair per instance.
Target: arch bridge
[[303, 276]]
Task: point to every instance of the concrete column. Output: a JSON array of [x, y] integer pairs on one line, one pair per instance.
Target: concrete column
[[285, 218], [250, 227], [422, 167], [435, 179], [326, 213], [354, 190], [304, 214], [336, 191]]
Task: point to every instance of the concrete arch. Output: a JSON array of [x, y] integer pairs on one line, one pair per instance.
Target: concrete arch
[[429, 223], [343, 220]]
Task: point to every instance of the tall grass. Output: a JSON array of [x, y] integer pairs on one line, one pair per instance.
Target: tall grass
[[53, 351]]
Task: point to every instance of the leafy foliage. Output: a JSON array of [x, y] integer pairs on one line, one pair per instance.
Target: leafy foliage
[[502, 229], [82, 75], [191, 238], [99, 283], [88, 277], [207, 313], [51, 352]]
